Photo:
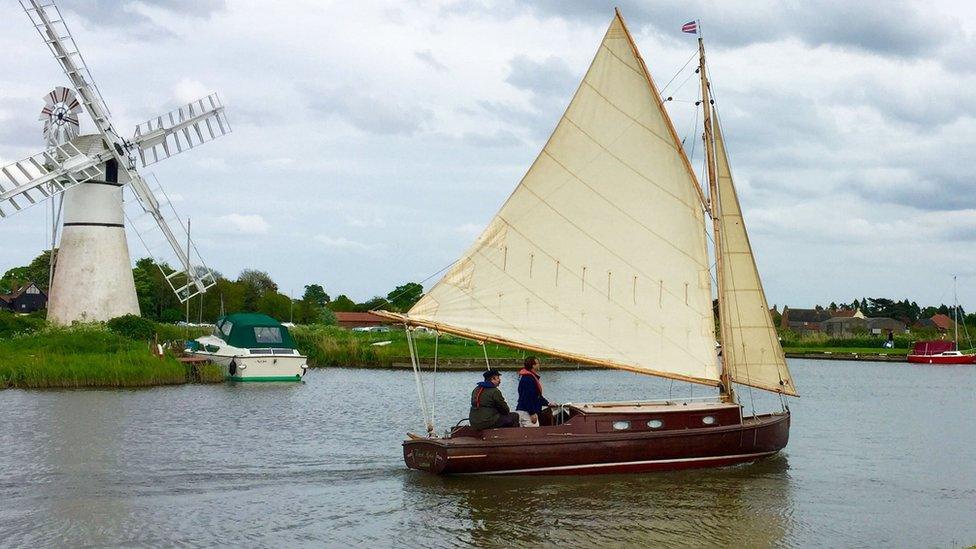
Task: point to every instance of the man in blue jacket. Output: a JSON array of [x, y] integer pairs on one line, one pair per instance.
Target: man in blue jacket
[[530, 402]]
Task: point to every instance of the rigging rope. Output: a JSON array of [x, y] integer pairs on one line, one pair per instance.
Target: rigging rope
[[484, 348], [693, 54], [420, 384], [433, 385]]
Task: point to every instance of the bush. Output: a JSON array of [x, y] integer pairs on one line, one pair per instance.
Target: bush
[[171, 315], [133, 327], [13, 324]]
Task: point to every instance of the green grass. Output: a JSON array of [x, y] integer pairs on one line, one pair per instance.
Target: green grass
[[332, 346], [847, 350], [87, 356]]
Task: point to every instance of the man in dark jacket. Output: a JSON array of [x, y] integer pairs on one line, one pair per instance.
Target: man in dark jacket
[[488, 407], [530, 401]]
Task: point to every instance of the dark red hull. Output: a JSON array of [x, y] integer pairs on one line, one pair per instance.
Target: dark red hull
[[588, 443], [941, 359]]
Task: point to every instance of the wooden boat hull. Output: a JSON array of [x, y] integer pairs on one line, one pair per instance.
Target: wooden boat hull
[[582, 448], [940, 359]]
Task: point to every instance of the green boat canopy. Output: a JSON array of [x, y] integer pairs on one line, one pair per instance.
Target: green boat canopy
[[248, 330]]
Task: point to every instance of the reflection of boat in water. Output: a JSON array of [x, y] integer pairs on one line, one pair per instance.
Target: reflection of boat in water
[[251, 347], [745, 506], [600, 256]]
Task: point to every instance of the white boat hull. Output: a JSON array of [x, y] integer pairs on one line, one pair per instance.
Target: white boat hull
[[259, 367]]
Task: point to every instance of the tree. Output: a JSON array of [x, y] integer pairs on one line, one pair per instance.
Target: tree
[[316, 294], [342, 304], [405, 296], [256, 284], [376, 302], [275, 305], [37, 271]]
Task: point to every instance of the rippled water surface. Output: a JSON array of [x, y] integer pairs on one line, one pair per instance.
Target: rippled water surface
[[880, 455]]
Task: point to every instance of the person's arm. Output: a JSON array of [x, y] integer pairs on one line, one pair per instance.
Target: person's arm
[[500, 403]]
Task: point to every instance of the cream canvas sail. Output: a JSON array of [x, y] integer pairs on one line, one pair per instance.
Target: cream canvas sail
[[599, 255], [750, 344]]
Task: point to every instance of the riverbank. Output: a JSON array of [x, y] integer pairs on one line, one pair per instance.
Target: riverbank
[[90, 356]]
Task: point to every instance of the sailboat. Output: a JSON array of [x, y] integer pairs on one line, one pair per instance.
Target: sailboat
[[600, 256], [940, 351]]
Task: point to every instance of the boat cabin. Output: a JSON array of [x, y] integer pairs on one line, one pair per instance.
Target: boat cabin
[[258, 333], [933, 347]]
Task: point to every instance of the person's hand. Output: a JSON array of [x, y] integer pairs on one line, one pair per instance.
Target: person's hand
[[534, 418]]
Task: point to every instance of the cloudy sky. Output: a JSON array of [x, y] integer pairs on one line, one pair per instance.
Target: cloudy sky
[[373, 140]]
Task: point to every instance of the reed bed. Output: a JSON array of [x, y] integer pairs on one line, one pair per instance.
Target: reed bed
[[89, 356]]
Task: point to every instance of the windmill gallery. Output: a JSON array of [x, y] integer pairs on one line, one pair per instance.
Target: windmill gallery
[[618, 274]]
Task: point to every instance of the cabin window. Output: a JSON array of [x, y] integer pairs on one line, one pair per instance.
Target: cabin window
[[33, 290], [655, 424], [261, 351], [267, 334], [708, 420], [621, 425], [283, 351], [226, 327]]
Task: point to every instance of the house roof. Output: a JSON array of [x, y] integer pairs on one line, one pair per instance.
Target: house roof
[[805, 315], [843, 313], [9, 298], [942, 321], [845, 320]]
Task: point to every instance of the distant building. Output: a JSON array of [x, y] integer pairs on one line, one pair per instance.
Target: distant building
[[939, 322], [842, 326], [847, 313], [803, 320], [358, 320], [881, 325], [26, 299]]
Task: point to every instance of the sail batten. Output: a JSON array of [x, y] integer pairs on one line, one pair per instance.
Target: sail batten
[[753, 354], [599, 255]]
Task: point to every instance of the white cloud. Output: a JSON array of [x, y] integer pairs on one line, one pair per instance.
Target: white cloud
[[242, 224], [342, 243], [187, 90]]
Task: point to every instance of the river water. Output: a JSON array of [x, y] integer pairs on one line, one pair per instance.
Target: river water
[[880, 455]]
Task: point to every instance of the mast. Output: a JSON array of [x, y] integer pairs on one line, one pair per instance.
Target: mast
[[709, 138], [955, 311]]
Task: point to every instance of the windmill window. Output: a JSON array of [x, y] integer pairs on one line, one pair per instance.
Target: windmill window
[[655, 424], [267, 334], [708, 420], [621, 425]]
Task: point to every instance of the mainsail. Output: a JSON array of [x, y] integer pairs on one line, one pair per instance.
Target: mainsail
[[599, 255], [753, 354]]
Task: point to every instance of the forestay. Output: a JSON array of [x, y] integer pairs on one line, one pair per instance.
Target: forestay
[[751, 346], [599, 255]]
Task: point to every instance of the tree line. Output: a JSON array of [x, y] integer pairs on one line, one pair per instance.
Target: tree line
[[251, 291]]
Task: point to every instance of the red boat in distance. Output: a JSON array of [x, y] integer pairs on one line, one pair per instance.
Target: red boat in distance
[[939, 351]]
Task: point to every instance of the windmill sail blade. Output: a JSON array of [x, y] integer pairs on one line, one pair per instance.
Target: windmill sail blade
[[750, 343], [599, 255], [45, 174], [181, 129], [47, 19], [165, 238]]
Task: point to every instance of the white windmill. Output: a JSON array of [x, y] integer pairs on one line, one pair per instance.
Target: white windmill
[[93, 273]]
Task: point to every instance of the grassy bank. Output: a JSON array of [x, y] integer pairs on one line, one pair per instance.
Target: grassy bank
[[331, 346], [89, 356]]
